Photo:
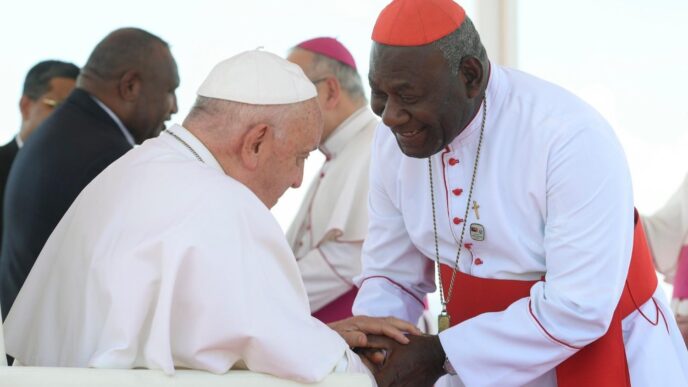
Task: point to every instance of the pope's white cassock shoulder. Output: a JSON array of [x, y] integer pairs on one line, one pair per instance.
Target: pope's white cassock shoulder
[[554, 200], [165, 262]]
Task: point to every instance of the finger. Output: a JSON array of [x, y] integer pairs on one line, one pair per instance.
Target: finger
[[379, 323], [372, 366], [350, 330], [388, 326], [376, 356], [393, 333], [380, 327], [341, 324], [404, 326], [399, 336], [354, 338], [391, 327], [381, 343]]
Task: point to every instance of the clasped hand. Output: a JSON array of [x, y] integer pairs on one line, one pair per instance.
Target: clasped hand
[[395, 351]]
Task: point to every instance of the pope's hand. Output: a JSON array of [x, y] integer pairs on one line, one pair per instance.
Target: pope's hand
[[355, 329]]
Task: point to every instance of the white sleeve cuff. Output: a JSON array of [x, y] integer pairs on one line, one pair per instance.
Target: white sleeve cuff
[[351, 363]]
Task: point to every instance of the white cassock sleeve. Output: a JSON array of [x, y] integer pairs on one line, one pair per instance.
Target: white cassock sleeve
[[667, 230], [392, 283], [352, 363]]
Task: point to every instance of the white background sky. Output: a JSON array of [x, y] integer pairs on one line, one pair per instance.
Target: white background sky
[[628, 58]]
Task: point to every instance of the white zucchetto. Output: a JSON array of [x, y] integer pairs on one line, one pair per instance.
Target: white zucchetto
[[258, 78]]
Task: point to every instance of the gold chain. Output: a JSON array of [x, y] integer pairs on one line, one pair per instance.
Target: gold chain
[[445, 300], [186, 145]]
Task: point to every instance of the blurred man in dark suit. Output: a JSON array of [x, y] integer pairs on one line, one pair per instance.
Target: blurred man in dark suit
[[46, 86], [123, 96]]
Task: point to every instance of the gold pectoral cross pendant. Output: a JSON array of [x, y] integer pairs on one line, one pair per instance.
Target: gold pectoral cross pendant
[[476, 207], [443, 321]]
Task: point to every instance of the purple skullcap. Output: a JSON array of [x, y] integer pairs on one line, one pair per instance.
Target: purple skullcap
[[331, 48]]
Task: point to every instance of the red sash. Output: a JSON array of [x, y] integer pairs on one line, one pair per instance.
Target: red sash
[[601, 363], [339, 309]]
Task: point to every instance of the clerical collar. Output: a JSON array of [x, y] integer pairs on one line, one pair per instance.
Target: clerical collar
[[120, 125], [346, 131]]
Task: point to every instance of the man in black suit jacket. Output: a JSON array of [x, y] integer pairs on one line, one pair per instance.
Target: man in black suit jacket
[[46, 85], [124, 94]]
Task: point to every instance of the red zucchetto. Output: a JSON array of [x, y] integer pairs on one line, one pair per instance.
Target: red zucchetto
[[417, 22]]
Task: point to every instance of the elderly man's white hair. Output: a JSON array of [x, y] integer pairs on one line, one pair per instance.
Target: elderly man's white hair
[[229, 119]]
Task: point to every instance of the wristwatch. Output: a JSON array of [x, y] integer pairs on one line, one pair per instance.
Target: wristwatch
[[448, 367]]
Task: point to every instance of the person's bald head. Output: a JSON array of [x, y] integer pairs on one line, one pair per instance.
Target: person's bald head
[[262, 146], [133, 72]]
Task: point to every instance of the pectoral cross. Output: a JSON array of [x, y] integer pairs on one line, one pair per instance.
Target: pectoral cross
[[475, 208]]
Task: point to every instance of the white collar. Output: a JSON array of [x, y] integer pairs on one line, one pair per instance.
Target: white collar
[[125, 131], [492, 94], [20, 142], [193, 142], [343, 133]]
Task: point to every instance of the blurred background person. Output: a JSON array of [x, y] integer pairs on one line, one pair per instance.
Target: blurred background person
[[46, 85], [123, 96], [667, 234], [328, 231]]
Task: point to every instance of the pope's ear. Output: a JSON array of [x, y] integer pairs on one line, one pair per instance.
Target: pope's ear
[[471, 74], [253, 144]]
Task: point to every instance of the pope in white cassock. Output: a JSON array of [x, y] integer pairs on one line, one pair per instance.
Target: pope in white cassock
[[517, 194], [170, 258]]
